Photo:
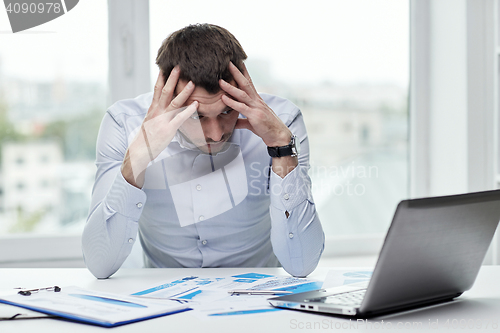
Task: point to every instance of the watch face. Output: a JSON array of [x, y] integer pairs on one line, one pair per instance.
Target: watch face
[[297, 145]]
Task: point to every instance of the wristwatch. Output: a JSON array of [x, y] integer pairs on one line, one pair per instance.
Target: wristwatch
[[292, 149]]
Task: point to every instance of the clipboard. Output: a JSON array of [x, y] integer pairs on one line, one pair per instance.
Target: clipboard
[[95, 308]]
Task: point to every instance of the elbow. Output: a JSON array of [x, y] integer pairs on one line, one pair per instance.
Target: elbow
[[97, 268], [97, 256], [301, 271], [298, 273], [307, 265], [99, 273]]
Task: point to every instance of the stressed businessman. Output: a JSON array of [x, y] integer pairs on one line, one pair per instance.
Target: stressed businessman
[[204, 171]]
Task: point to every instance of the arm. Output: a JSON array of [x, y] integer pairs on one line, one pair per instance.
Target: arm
[[117, 198], [111, 227], [297, 236]]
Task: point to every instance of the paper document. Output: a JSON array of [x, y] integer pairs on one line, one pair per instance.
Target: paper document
[[208, 296], [9, 312], [88, 306], [343, 276]]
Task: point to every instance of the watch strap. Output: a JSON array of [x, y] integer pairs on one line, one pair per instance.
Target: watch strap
[[288, 150], [280, 151]]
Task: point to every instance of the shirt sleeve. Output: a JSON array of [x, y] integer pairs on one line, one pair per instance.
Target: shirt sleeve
[[116, 206], [298, 241]]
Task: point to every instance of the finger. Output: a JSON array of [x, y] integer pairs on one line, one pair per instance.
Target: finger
[[179, 101], [160, 82], [245, 84], [235, 105], [168, 89], [245, 72], [170, 119], [247, 76], [243, 124], [239, 94], [182, 116]]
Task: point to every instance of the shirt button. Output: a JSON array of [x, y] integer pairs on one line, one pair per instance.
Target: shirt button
[[204, 242], [201, 218], [290, 235], [198, 187], [139, 205], [130, 240], [286, 196]]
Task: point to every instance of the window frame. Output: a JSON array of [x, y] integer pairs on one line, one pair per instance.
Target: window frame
[[28, 250], [129, 75], [475, 34]]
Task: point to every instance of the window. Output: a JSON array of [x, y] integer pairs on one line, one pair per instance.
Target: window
[[44, 159], [53, 95], [454, 99], [497, 90], [346, 65]]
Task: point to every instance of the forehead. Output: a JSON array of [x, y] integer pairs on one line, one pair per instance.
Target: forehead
[[208, 103]]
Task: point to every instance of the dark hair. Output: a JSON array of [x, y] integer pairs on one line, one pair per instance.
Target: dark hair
[[203, 52]]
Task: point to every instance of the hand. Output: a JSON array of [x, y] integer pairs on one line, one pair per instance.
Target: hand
[[261, 119], [164, 117]]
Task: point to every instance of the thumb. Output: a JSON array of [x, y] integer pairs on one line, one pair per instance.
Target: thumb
[[243, 123], [183, 114]]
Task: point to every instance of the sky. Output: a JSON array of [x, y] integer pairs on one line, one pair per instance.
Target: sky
[[341, 41]]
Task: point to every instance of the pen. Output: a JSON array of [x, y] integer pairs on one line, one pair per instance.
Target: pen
[[258, 292]]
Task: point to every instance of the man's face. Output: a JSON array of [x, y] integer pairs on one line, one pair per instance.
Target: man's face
[[212, 126]]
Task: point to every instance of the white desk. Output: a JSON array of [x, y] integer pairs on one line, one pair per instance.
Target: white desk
[[480, 305]]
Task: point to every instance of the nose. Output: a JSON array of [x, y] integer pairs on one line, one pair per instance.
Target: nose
[[213, 130]]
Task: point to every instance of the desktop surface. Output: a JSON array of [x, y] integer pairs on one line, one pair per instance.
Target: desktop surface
[[476, 309]]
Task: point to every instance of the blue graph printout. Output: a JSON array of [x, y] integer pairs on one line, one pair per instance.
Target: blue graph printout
[[209, 296]]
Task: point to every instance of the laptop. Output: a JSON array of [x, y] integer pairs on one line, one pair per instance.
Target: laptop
[[431, 254]]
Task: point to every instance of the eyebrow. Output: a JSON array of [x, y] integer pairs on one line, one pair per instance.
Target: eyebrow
[[227, 108]]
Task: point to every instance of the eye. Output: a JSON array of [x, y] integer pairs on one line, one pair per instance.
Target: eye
[[196, 116], [227, 111]]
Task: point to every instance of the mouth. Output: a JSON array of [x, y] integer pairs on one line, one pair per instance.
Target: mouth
[[215, 146], [209, 146]]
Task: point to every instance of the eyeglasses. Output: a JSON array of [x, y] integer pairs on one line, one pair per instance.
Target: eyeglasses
[[33, 291]]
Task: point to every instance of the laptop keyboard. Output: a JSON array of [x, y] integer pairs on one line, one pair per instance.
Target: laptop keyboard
[[352, 298]]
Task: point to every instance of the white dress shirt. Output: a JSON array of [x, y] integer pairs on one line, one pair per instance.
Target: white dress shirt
[[201, 210]]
